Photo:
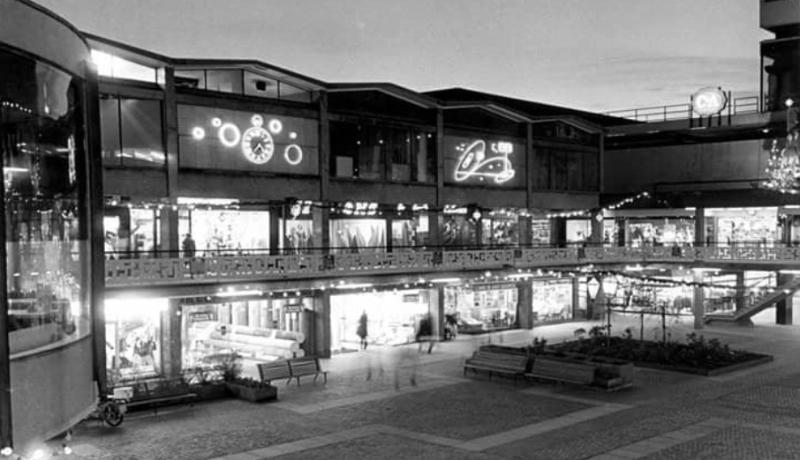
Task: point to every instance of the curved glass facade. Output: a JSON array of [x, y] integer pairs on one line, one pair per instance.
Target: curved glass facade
[[42, 146]]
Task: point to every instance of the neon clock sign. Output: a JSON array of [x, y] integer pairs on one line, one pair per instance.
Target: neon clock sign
[[474, 162], [257, 143]]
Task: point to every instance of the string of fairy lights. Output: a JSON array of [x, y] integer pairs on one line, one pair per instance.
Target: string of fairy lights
[[298, 207]]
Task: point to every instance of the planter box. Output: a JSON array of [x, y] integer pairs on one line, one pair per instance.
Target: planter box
[[755, 361], [211, 391], [253, 393], [597, 371]]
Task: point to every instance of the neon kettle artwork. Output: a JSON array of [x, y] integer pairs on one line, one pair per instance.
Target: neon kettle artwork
[[475, 163]]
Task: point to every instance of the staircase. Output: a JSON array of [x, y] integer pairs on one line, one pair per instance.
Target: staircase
[[763, 302]]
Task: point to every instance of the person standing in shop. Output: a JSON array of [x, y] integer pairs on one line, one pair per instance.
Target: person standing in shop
[[362, 330], [188, 246]]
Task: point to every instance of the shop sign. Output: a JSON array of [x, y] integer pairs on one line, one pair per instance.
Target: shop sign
[[410, 298], [200, 316], [293, 308], [709, 101], [493, 286]]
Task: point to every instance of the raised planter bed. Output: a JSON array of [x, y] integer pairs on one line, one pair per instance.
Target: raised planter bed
[[210, 391], [253, 392], [609, 374], [699, 357]]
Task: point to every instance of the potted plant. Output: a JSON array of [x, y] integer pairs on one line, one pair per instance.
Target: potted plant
[[244, 387], [203, 381]]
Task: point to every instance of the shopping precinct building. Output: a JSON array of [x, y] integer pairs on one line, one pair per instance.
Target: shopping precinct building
[[162, 212]]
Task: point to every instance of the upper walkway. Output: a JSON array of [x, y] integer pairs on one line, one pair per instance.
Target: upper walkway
[[171, 271]]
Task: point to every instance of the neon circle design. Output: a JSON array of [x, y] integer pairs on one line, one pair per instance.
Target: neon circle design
[[275, 126], [198, 133], [473, 163], [216, 122], [256, 120], [293, 135], [257, 145], [237, 135], [293, 149]]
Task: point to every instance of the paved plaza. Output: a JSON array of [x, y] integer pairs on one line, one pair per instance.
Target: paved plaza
[[753, 413]]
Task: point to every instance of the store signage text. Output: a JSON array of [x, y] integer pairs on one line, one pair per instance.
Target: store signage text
[[709, 101], [475, 161], [256, 142], [293, 308]]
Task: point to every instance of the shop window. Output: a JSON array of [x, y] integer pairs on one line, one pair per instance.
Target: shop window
[[109, 65], [259, 85], [258, 330], [228, 232], [358, 235], [540, 232], [552, 300], [482, 308], [458, 231], [659, 232], [498, 231], [133, 338], [296, 235], [130, 232], [225, 81], [195, 79], [410, 233], [578, 231], [44, 164]]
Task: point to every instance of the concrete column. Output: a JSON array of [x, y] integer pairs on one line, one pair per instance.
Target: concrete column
[[439, 159], [275, 214], [699, 227], [576, 298], [558, 232], [171, 340], [596, 238], [524, 231], [170, 240], [525, 304], [434, 229], [783, 308], [740, 300], [322, 308], [436, 309], [698, 304], [321, 237]]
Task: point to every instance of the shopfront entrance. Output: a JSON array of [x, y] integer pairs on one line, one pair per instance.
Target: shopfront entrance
[[392, 317], [133, 338]]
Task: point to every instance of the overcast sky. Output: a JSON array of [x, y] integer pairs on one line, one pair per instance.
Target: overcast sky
[[588, 54]]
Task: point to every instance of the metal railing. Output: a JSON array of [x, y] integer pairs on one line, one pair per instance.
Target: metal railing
[[736, 106], [264, 267]]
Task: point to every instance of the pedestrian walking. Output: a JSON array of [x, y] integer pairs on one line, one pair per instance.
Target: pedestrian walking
[[362, 330]]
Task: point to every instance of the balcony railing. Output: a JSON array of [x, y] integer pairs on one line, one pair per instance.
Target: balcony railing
[[737, 106], [265, 267]]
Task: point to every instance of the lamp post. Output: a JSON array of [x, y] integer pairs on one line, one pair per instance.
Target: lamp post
[[609, 289]]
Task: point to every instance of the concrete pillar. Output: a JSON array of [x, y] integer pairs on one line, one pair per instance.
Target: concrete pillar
[[319, 228], [524, 231], [436, 309], [700, 227], [434, 229], [596, 238], [576, 298], [170, 240], [698, 304], [558, 232], [525, 304], [783, 308], [322, 308], [740, 300], [171, 340]]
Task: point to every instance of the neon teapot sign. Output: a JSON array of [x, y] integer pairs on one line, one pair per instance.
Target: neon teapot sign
[[256, 142], [474, 162]]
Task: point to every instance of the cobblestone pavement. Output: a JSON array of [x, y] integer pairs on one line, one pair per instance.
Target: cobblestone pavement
[[752, 413]]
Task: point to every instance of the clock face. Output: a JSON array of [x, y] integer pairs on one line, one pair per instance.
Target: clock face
[[257, 145]]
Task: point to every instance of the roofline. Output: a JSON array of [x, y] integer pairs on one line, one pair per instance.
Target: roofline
[[390, 89], [203, 61], [58, 18]]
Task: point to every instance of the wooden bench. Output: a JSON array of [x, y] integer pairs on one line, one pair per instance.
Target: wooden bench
[[561, 370], [275, 370], [494, 362], [307, 366], [157, 393]]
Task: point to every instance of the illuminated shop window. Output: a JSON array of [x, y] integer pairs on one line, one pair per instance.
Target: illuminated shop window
[[358, 235], [112, 66], [133, 338], [482, 307], [226, 231], [44, 163]]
